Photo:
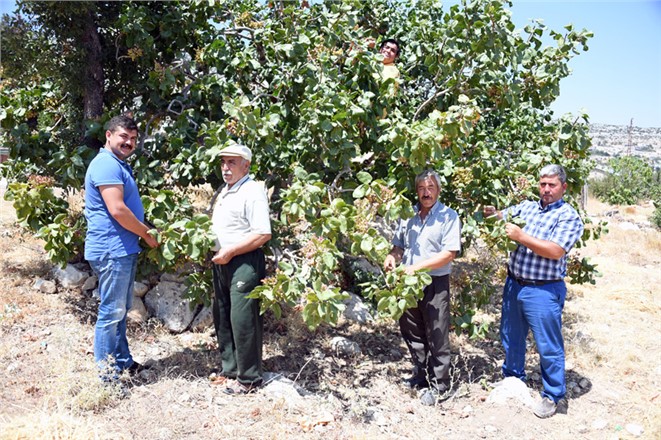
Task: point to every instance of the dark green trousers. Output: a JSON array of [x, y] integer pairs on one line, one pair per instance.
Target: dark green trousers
[[238, 323]]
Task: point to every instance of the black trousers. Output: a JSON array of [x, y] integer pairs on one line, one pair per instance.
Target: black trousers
[[238, 323], [426, 331]]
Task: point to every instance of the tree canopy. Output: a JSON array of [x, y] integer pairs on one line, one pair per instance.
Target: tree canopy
[[297, 83]]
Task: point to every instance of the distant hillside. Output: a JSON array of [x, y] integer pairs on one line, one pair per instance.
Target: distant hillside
[[617, 140]]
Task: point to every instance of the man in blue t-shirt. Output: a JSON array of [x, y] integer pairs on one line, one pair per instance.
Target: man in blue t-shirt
[[115, 223]]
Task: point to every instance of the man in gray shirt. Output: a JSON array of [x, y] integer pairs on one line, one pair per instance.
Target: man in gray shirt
[[429, 240]]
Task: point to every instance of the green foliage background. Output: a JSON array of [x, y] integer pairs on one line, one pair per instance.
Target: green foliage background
[[297, 83], [631, 180]]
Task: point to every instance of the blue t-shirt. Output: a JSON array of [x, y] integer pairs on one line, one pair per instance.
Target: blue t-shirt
[[105, 236]]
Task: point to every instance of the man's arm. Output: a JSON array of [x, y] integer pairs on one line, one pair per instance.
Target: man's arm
[[543, 248], [113, 197], [439, 260], [250, 243], [394, 257]]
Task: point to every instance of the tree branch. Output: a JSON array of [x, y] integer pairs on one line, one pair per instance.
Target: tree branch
[[238, 32]]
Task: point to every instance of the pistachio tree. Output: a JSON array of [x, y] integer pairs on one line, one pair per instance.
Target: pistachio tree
[[300, 84]]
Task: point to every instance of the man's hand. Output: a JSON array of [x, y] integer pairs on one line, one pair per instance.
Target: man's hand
[[223, 256], [389, 263], [151, 241], [513, 232], [490, 210]]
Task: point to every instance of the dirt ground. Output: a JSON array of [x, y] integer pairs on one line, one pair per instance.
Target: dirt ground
[[50, 391]]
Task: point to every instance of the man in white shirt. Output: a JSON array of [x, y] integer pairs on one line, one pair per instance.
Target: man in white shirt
[[242, 226]]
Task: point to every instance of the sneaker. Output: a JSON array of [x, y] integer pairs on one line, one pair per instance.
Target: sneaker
[[137, 368], [545, 408], [237, 387], [415, 383]]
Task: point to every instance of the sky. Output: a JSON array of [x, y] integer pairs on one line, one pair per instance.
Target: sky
[[619, 78]]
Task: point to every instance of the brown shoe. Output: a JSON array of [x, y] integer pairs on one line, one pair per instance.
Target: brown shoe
[[220, 380]]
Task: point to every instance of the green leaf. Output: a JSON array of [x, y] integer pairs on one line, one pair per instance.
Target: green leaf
[[364, 177]]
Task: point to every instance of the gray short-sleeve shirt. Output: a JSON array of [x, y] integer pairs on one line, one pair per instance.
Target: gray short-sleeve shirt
[[440, 231]]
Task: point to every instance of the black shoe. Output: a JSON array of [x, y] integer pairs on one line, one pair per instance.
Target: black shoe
[[415, 383], [439, 387], [137, 368]]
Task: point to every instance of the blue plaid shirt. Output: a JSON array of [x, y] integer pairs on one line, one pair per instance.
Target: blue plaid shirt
[[557, 222]]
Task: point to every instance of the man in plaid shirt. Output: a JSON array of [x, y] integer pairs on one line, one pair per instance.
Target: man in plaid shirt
[[535, 290]]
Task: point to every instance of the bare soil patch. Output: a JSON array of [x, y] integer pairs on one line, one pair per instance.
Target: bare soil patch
[[49, 386]]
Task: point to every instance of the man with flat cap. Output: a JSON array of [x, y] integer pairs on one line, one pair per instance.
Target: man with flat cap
[[242, 226]]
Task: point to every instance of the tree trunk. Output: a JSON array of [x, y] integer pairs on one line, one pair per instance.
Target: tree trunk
[[93, 73]]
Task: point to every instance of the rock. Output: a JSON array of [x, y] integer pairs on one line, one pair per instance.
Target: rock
[[584, 383], [509, 389], [628, 226], [577, 390], [172, 278], [203, 320], [138, 313], [96, 294], [634, 429], [278, 386], [90, 283], [344, 346], [395, 354], [356, 309], [490, 429], [360, 270], [140, 289], [44, 286], [165, 302], [599, 424], [378, 417], [69, 277], [571, 384]]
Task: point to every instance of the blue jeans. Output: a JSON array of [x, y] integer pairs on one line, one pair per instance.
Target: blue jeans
[[538, 308], [111, 348]]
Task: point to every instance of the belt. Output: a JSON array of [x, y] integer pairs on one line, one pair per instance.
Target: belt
[[525, 282]]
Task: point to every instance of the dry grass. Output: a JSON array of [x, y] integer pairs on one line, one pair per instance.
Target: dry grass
[[50, 388], [49, 425]]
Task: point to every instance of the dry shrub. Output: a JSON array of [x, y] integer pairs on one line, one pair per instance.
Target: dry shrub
[[630, 209], [199, 196], [76, 201]]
